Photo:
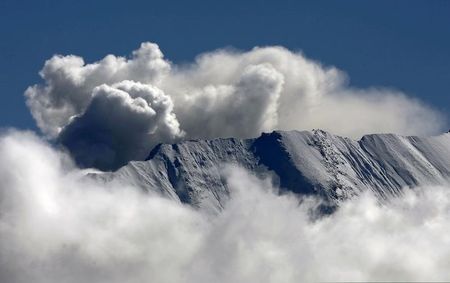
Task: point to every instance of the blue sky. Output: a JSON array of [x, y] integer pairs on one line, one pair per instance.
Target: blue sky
[[400, 44]]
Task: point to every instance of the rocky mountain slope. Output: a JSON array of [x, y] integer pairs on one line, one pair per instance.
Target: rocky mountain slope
[[308, 162]]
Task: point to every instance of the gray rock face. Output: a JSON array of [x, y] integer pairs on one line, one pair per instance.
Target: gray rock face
[[308, 162]]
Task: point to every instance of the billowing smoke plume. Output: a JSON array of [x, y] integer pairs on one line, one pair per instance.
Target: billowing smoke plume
[[56, 226], [122, 123], [222, 94]]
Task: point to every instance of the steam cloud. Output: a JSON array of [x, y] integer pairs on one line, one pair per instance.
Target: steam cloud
[[56, 226], [115, 110]]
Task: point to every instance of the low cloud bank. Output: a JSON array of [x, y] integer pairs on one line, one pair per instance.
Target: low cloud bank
[[115, 110], [58, 227]]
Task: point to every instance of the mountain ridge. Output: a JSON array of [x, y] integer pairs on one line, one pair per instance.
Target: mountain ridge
[[304, 162]]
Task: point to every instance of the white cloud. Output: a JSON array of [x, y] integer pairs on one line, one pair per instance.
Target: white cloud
[[69, 83], [229, 93], [312, 96], [57, 227], [242, 109]]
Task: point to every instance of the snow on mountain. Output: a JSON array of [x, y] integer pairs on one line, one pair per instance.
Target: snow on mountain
[[308, 162]]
